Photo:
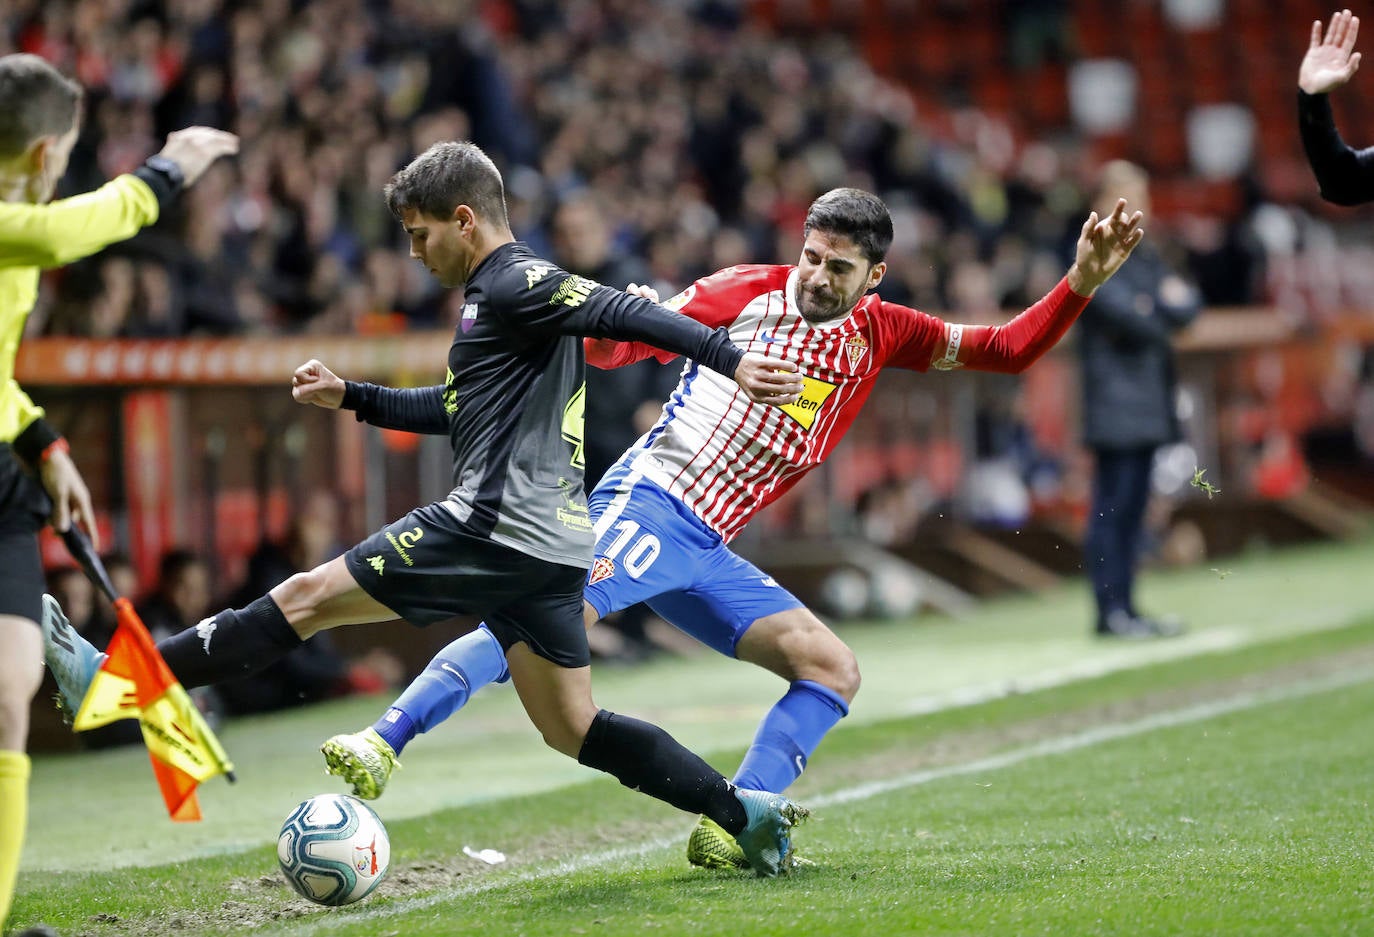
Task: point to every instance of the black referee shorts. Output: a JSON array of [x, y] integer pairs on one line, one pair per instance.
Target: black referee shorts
[[24, 507], [427, 567]]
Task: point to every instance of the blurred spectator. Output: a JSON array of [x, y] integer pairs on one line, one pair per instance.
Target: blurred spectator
[[1129, 410]]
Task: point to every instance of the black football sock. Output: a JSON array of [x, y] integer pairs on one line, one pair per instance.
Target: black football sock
[[645, 758], [232, 644]]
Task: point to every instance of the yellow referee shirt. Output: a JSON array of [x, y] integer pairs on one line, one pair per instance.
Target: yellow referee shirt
[[34, 237]]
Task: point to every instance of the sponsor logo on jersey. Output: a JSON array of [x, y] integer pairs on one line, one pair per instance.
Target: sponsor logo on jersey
[[856, 346], [406, 541], [572, 292], [377, 563], [534, 273], [681, 299], [813, 396], [572, 514], [450, 393], [603, 568], [469, 317]]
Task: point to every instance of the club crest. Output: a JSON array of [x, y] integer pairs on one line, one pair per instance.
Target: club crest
[[856, 347], [603, 568]]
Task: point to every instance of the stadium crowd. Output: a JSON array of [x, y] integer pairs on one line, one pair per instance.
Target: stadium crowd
[[703, 137]]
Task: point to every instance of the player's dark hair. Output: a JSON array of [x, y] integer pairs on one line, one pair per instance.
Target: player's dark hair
[[36, 101], [858, 215], [445, 176]]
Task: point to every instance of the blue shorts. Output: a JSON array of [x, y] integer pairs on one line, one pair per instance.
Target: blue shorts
[[651, 548]]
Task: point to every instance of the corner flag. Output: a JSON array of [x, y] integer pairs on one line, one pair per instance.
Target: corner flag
[[134, 682]]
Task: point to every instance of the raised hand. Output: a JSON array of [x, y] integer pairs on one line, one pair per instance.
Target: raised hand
[[1103, 247], [313, 383], [195, 148], [1329, 63], [768, 380]]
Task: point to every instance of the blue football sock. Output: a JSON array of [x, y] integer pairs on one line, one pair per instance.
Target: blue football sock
[[788, 735], [448, 681]]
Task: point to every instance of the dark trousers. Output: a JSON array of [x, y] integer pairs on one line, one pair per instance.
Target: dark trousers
[[1121, 488]]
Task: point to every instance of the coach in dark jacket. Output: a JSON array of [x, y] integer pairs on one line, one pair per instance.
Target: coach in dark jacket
[[1128, 406]]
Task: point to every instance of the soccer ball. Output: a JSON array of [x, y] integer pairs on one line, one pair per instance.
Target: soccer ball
[[333, 849]]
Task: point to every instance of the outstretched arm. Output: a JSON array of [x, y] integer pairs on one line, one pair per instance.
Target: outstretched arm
[[56, 233], [1103, 246], [413, 409], [1344, 175]]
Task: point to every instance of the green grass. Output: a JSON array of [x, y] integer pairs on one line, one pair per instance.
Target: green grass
[[1217, 784]]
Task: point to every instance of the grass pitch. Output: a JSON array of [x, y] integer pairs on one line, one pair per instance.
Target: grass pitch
[[1003, 774]]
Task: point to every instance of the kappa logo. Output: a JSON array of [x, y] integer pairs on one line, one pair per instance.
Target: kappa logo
[[205, 630], [534, 273], [603, 568], [377, 562]]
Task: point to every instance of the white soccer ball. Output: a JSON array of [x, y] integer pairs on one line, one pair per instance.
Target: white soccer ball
[[333, 849]]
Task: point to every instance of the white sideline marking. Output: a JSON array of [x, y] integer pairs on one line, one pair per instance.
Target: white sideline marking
[[1051, 746]]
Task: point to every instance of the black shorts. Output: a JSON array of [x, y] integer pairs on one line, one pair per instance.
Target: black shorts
[[24, 509], [427, 567]]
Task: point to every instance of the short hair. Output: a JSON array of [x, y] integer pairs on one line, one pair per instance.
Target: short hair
[[36, 101], [445, 176], [858, 215]]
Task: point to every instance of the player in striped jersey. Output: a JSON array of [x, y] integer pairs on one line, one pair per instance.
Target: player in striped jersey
[[665, 514]]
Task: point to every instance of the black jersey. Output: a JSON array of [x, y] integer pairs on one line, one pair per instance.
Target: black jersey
[[512, 400]]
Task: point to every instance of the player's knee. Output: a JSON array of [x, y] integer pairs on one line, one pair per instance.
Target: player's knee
[[841, 670], [300, 595], [565, 731]]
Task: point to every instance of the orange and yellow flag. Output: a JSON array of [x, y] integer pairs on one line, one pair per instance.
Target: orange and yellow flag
[[135, 682]]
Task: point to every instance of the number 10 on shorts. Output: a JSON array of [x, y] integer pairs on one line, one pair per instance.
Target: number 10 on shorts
[[643, 549]]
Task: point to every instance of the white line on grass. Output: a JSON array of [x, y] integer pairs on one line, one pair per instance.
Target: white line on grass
[[1053, 746]]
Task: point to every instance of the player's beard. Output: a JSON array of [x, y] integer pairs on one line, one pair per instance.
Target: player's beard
[[823, 305]]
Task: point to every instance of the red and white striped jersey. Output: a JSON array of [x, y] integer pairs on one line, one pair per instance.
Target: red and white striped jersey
[[726, 457]]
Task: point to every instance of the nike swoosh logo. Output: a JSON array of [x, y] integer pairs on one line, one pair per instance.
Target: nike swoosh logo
[[768, 337], [445, 665]]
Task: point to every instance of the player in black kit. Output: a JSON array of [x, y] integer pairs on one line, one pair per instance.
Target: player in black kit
[[512, 542]]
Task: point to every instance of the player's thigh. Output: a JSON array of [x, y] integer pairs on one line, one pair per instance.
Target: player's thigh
[[427, 568], [326, 597], [21, 671], [547, 618], [728, 595], [647, 543]]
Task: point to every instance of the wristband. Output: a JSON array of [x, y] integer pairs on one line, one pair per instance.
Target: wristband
[[31, 445], [57, 445]]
